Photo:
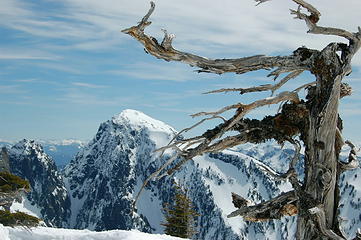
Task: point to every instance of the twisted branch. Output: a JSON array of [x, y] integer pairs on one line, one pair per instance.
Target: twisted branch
[[166, 52], [275, 208]]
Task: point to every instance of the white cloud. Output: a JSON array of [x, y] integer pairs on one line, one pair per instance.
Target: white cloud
[[228, 27]]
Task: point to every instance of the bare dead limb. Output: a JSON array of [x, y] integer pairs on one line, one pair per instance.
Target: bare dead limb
[[283, 96], [274, 173], [296, 157], [261, 1], [312, 19], [282, 205], [154, 175], [346, 90], [245, 108], [353, 162], [261, 88], [166, 52], [239, 201], [309, 7], [305, 86]]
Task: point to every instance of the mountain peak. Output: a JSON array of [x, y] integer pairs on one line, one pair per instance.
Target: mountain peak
[[140, 120]]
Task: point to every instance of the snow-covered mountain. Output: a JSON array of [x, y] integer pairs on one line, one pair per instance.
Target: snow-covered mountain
[[105, 176], [48, 198], [61, 151]]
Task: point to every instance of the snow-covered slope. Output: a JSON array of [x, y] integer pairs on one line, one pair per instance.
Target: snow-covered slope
[[48, 198], [43, 233]]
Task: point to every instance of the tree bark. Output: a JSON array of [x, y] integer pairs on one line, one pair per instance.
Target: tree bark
[[321, 157]]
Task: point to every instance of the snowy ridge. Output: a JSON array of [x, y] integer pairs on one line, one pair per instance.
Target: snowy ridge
[[158, 131], [141, 120], [42, 233]]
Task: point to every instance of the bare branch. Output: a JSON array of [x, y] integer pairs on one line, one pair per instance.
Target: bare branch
[[352, 163], [346, 90], [261, 88], [312, 20], [274, 173], [245, 108], [239, 201], [284, 204], [261, 1], [309, 7], [296, 157], [305, 86], [154, 175], [283, 96], [291, 170], [166, 52]]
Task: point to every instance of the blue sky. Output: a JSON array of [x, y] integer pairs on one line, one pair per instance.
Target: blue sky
[[66, 67]]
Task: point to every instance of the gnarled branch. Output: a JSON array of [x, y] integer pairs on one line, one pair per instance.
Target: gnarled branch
[[266, 87], [166, 52], [282, 205], [353, 162]]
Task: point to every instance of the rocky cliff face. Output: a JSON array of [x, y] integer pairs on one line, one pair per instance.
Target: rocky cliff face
[[4, 160], [103, 176], [49, 196]]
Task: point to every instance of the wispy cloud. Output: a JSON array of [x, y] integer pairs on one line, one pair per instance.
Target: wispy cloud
[[30, 80], [80, 97], [228, 28], [88, 85], [155, 71], [23, 57], [11, 89]]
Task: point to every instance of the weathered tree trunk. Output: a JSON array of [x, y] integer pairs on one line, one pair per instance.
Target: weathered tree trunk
[[321, 157]]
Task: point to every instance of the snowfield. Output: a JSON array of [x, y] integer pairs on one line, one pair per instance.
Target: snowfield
[[45, 233]]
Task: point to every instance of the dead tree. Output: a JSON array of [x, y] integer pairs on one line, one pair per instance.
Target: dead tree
[[314, 121]]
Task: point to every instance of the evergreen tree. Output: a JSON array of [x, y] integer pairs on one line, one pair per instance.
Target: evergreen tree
[[12, 188], [180, 216]]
